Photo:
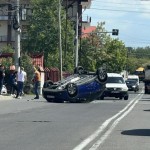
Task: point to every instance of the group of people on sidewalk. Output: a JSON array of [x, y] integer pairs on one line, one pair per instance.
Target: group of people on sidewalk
[[17, 80]]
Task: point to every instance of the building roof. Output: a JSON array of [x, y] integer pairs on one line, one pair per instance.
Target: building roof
[[87, 30]]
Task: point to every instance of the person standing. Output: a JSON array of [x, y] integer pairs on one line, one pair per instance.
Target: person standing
[[37, 81], [13, 83], [2, 75], [21, 78]]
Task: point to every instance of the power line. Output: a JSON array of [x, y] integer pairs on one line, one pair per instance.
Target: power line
[[119, 3], [131, 11]]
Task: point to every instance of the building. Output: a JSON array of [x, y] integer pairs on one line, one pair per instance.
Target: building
[[74, 8], [87, 30], [8, 19]]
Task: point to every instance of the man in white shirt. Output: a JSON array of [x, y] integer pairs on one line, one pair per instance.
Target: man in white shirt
[[21, 78]]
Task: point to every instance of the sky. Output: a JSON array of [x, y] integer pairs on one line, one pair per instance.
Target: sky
[[131, 17]]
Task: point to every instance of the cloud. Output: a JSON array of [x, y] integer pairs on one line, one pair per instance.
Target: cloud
[[145, 7], [127, 16]]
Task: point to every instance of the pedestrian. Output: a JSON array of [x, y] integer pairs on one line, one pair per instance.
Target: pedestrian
[[21, 78], [37, 81], [13, 83], [2, 75]]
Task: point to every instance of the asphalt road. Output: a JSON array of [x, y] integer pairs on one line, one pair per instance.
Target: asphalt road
[[108, 124]]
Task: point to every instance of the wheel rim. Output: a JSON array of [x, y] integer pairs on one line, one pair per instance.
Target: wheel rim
[[102, 75], [72, 89]]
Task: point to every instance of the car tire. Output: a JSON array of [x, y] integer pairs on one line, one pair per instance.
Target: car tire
[[146, 91], [120, 97], [126, 97], [101, 97], [49, 100], [78, 70], [102, 75], [47, 83], [72, 89]]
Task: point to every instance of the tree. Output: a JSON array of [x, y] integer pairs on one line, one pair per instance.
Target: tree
[[7, 62], [43, 33], [99, 49], [26, 62]]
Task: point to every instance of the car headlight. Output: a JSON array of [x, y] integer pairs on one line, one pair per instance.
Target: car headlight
[[133, 86], [61, 87], [124, 89]]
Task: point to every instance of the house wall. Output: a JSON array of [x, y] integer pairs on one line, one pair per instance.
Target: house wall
[[7, 33]]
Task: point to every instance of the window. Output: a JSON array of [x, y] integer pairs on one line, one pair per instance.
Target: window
[[115, 80]]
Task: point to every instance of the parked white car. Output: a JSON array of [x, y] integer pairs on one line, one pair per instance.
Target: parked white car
[[115, 87]]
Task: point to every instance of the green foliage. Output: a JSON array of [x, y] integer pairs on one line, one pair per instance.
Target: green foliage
[[99, 49], [7, 62], [26, 62], [138, 57], [96, 50], [43, 33], [7, 49]]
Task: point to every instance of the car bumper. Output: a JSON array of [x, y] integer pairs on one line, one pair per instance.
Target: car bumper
[[115, 93]]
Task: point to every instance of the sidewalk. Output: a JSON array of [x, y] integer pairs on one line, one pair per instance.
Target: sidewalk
[[5, 97], [24, 97]]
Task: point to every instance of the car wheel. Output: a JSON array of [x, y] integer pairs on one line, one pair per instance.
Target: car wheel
[[47, 83], [126, 97], [78, 70], [146, 91], [101, 97], [72, 89], [120, 97], [49, 100], [102, 75], [58, 101]]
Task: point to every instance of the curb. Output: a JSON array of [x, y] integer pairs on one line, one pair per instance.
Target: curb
[[5, 97]]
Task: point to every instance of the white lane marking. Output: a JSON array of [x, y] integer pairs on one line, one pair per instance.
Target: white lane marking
[[108, 132], [85, 142]]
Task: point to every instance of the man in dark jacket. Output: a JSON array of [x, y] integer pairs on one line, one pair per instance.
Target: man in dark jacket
[[13, 83], [2, 75]]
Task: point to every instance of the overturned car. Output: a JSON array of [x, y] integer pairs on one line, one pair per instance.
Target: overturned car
[[80, 87]]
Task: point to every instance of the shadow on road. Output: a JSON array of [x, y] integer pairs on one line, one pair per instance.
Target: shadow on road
[[145, 100], [146, 110], [137, 132]]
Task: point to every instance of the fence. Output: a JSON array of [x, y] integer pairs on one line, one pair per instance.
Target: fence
[[54, 74]]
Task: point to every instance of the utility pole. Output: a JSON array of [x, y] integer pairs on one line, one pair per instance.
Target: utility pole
[[77, 42], [60, 43], [17, 37]]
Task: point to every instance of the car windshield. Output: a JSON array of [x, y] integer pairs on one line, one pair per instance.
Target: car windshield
[[130, 81], [115, 80], [136, 80]]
